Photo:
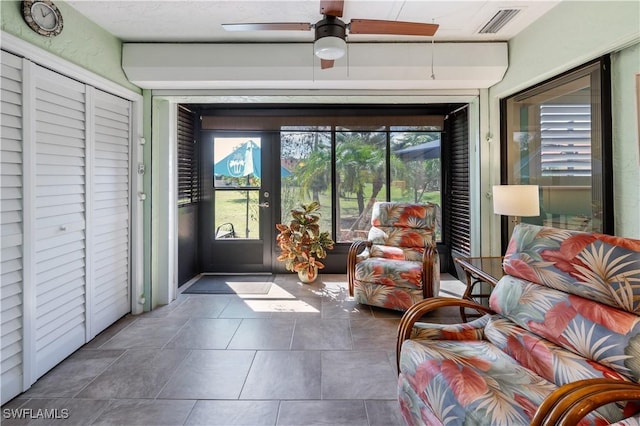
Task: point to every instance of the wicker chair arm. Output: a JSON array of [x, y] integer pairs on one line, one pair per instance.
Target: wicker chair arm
[[428, 263], [352, 257], [568, 404], [418, 310]]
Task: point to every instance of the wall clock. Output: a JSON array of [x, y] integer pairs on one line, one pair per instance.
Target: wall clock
[[42, 16]]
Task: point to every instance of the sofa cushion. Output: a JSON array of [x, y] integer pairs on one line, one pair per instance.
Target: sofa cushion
[[598, 332], [406, 237], [470, 382], [550, 361], [385, 296], [631, 421], [599, 267], [553, 362], [404, 215], [413, 254], [391, 272], [473, 330]]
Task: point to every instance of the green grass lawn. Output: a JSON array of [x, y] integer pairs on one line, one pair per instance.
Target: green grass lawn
[[231, 207]]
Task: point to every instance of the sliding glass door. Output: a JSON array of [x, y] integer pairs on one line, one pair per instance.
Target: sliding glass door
[[558, 136]]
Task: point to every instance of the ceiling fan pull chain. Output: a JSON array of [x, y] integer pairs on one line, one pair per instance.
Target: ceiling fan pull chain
[[313, 64], [348, 62], [433, 49]]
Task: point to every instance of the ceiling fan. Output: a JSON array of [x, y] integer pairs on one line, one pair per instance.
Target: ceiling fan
[[331, 32]]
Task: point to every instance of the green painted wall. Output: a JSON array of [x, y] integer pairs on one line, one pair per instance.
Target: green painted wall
[[81, 42], [89, 46], [625, 66], [569, 35]]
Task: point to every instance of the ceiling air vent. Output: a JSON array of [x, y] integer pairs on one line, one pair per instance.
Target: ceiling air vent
[[499, 20]]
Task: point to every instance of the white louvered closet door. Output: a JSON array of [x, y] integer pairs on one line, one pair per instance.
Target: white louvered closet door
[[65, 218], [109, 281], [59, 213], [11, 226]]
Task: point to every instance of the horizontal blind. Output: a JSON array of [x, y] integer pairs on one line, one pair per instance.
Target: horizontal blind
[[11, 226], [458, 195], [188, 183], [565, 139]]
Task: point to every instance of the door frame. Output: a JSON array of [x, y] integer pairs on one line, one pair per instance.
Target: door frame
[[162, 287]]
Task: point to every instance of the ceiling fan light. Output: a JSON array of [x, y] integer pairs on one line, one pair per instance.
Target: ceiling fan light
[[330, 47]]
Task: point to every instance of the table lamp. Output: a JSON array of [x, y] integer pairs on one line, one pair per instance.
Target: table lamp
[[516, 200]]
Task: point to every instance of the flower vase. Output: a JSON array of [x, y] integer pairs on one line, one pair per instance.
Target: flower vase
[[307, 278]]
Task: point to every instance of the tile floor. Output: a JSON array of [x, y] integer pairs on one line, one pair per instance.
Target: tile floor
[[300, 355]]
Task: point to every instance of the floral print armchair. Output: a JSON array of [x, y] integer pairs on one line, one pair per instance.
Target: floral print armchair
[[397, 265], [562, 330]]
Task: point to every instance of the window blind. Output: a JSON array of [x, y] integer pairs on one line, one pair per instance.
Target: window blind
[[188, 181], [457, 198]]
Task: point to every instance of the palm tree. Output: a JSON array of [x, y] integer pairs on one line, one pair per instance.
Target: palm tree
[[314, 174], [421, 175], [310, 151], [360, 160]]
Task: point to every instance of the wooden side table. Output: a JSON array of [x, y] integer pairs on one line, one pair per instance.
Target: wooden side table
[[479, 270]]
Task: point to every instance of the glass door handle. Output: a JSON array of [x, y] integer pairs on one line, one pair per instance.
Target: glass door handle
[[265, 204]]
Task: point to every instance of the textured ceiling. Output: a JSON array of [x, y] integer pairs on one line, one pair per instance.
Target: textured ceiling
[[200, 20]]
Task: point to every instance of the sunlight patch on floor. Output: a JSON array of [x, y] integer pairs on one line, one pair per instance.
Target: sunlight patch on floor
[[299, 306], [275, 292]]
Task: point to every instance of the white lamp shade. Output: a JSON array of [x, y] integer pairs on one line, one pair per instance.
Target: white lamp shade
[[516, 200], [330, 47]]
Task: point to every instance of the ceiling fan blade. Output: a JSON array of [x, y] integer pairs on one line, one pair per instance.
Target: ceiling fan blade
[[269, 26], [372, 26], [332, 7], [326, 63]]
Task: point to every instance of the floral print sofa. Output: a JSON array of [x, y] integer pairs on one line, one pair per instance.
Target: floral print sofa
[[567, 310], [397, 265]]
